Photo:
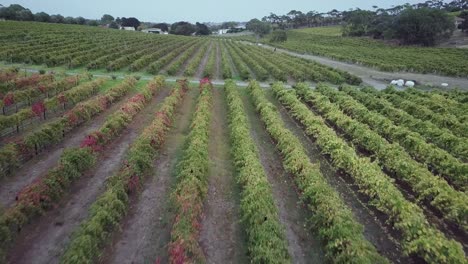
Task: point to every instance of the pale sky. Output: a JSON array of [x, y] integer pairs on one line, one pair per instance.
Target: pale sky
[[193, 11]]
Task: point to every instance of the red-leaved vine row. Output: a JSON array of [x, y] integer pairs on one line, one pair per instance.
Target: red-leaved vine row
[[46, 191], [14, 154], [73, 96], [191, 188], [109, 209]]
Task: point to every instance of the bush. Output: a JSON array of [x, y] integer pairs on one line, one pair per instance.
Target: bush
[[42, 71], [279, 36], [114, 77]]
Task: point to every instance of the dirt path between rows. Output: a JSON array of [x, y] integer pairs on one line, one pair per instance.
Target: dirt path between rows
[[45, 240], [221, 236], [303, 247], [204, 61], [146, 229], [39, 165], [380, 79], [218, 75], [375, 230]]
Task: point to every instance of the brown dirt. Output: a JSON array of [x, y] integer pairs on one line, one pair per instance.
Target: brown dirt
[[202, 66], [375, 230], [39, 165], [303, 247], [45, 240], [221, 235], [235, 72], [146, 229], [187, 62], [218, 75]]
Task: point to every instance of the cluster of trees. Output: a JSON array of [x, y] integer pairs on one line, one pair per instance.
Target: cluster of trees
[[297, 19], [20, 13], [411, 25], [187, 29]]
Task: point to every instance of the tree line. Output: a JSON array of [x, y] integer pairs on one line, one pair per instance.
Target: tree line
[[422, 24], [20, 13]]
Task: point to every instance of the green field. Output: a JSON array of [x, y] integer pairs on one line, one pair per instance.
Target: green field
[[131, 153], [329, 43]]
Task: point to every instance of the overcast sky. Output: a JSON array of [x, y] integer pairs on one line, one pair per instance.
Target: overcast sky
[[192, 11]]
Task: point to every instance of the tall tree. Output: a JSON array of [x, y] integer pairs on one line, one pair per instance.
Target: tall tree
[[424, 26], [183, 28], [107, 19], [258, 27], [130, 22], [202, 29]]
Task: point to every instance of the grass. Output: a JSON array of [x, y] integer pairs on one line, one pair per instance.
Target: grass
[[324, 31]]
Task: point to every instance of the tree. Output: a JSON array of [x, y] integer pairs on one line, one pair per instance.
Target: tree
[[228, 25], [279, 36], [464, 25], [92, 22], [163, 26], [57, 19], [358, 23], [113, 25], [41, 17], [16, 12], [25, 15], [202, 29], [80, 20], [258, 27], [69, 20], [107, 19], [182, 28], [130, 22], [423, 26]]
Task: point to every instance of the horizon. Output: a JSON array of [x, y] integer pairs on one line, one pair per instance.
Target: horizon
[[168, 12]]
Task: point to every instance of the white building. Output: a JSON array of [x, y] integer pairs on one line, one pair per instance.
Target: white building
[[223, 31], [154, 31], [128, 28]]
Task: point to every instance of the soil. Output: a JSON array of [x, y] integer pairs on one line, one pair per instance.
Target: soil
[[187, 62], [303, 246], [203, 62], [45, 240], [221, 236], [380, 79], [375, 229], [218, 74], [235, 72], [42, 163], [145, 231]]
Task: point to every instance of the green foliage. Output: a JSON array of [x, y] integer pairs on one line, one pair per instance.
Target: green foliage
[[418, 236], [442, 138], [266, 238], [279, 36], [331, 220], [191, 188], [108, 210], [258, 27], [424, 26], [392, 156]]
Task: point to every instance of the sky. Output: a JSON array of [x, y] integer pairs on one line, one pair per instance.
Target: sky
[[193, 11]]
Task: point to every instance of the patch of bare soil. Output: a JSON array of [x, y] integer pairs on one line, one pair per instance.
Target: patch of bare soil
[[221, 235], [146, 229], [44, 240], [187, 62], [202, 66], [303, 247], [218, 75], [235, 72], [39, 165], [375, 230]]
